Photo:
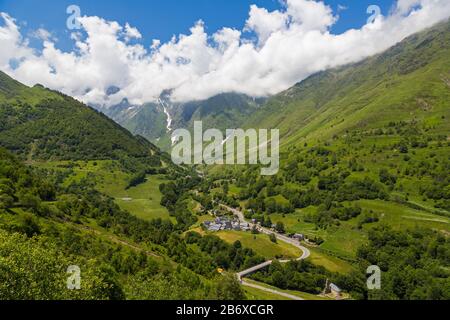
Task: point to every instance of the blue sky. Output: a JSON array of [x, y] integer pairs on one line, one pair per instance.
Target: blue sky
[[160, 19], [287, 44]]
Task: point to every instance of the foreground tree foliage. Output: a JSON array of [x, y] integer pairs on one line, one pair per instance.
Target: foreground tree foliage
[[229, 288], [34, 269]]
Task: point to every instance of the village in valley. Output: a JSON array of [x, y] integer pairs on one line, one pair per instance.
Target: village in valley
[[223, 221]]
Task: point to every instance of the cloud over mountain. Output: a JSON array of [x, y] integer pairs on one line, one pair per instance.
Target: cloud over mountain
[[290, 44]]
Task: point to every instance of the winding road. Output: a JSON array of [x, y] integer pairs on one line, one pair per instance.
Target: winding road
[[281, 237], [279, 293]]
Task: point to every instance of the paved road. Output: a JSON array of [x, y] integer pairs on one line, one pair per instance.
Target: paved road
[[281, 237], [242, 274], [283, 294]]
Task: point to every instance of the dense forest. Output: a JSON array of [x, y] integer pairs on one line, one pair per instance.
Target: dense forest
[[44, 230]]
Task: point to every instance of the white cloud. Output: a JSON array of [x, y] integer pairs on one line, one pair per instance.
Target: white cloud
[[341, 7], [310, 15], [43, 35], [132, 33], [265, 23], [13, 47], [404, 6], [291, 44]]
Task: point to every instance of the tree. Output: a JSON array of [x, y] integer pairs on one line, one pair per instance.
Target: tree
[[271, 205], [225, 187], [137, 179], [229, 288], [267, 222], [29, 201], [387, 178], [279, 227], [28, 225], [37, 270], [278, 280], [273, 238], [6, 201], [403, 148], [237, 245]]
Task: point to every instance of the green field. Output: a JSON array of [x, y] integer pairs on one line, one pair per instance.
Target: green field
[[261, 244], [142, 201], [329, 262], [342, 240], [401, 217]]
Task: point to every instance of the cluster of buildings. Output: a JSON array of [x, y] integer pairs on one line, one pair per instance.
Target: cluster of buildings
[[226, 223]]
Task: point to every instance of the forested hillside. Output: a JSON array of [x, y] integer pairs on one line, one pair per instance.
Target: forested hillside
[[39, 242], [64, 186], [47, 226], [40, 124], [364, 172]]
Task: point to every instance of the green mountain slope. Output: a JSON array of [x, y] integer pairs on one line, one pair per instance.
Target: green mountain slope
[[149, 113], [224, 111], [41, 124], [410, 81], [148, 120], [363, 174]]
